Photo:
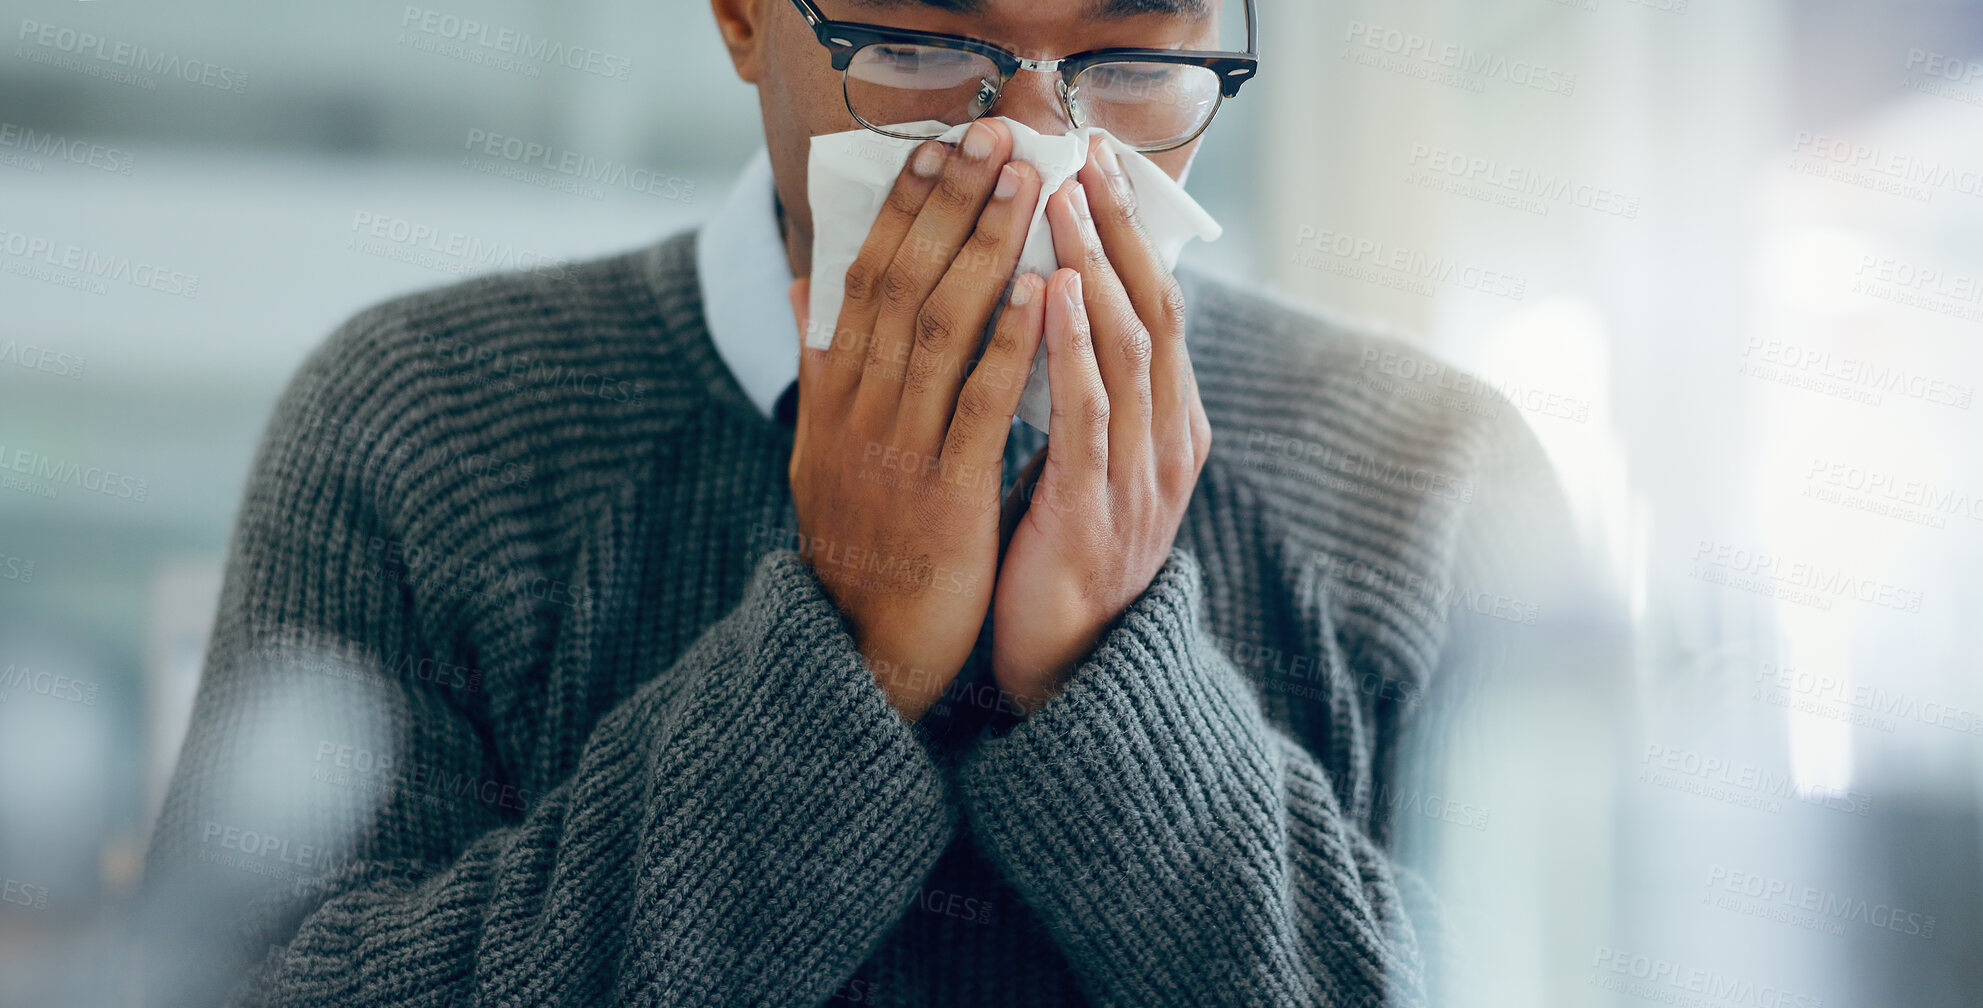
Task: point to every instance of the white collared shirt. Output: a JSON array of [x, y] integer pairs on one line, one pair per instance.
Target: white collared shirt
[[745, 278]]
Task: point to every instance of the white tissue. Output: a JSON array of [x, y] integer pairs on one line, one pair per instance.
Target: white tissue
[[849, 174]]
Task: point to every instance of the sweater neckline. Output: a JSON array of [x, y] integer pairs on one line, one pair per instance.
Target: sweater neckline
[[669, 269]]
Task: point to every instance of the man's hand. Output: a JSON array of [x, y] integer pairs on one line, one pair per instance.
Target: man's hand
[[1126, 441], [896, 464]]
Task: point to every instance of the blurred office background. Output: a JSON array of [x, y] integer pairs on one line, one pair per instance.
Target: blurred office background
[[1727, 255]]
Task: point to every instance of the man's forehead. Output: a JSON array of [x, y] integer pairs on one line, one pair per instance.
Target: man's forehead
[[1102, 9]]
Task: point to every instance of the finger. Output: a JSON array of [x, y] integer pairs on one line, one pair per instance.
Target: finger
[[1121, 343], [866, 275], [951, 326], [975, 442], [1015, 504], [810, 359], [1078, 427], [1154, 292], [811, 363], [925, 254]]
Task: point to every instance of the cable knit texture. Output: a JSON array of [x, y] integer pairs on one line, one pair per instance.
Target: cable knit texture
[[519, 694]]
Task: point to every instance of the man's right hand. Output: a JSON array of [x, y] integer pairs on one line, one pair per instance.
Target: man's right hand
[[896, 464]]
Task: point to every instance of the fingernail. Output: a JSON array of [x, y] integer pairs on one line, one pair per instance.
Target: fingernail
[[1022, 290], [978, 141], [1008, 183], [929, 160], [1074, 290]]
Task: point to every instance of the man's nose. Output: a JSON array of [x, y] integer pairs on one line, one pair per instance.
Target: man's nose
[[1033, 97]]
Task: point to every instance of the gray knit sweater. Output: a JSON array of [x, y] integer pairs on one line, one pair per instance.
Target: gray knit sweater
[[519, 695]]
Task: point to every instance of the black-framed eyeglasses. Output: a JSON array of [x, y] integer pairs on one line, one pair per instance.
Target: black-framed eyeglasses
[[915, 85]]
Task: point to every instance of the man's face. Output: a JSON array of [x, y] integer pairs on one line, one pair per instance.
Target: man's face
[[799, 91]]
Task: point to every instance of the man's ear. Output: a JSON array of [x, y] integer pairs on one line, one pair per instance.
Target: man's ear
[[742, 23]]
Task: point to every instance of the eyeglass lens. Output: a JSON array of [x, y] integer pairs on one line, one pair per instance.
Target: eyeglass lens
[[1144, 104]]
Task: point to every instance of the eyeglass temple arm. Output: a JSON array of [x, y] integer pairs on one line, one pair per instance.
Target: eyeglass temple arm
[[811, 12]]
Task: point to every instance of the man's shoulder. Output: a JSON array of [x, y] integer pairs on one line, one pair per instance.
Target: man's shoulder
[[1306, 401], [508, 373], [1409, 485], [589, 330]]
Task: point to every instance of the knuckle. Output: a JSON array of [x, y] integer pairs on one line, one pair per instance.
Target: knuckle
[[981, 252], [863, 280], [974, 405], [905, 199], [900, 286], [1004, 342], [1171, 304], [1093, 410], [1135, 343], [951, 198], [934, 325], [1095, 262]]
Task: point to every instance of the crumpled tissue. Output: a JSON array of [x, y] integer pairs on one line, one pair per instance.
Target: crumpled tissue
[[849, 175]]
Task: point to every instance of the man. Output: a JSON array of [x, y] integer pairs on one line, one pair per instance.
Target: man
[[559, 664]]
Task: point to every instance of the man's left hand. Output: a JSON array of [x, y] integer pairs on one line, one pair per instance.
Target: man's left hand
[[1125, 443]]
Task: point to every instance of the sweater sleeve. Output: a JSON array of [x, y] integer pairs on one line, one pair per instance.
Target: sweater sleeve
[[741, 829], [1181, 849]]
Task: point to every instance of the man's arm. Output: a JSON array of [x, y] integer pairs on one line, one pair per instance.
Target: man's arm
[[1182, 850], [741, 829]]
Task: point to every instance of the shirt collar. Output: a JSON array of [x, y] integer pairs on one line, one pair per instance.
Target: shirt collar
[[740, 265]]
